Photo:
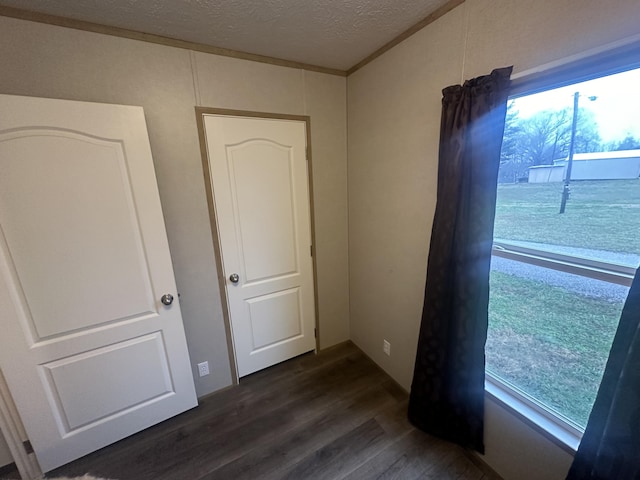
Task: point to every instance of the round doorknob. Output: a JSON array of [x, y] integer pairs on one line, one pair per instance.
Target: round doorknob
[[234, 278], [166, 299]]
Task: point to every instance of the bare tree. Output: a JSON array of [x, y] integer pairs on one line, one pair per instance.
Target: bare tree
[[543, 138], [629, 142]]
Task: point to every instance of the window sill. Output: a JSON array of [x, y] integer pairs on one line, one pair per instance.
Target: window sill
[[551, 427]]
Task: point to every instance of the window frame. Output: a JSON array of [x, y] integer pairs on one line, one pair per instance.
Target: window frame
[[560, 429], [596, 269], [606, 60], [548, 423]]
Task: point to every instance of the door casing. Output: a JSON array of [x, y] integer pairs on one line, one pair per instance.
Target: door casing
[[12, 429], [206, 170]]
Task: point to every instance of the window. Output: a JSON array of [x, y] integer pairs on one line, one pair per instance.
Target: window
[[559, 280]]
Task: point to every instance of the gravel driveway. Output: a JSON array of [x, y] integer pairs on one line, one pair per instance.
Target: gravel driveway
[[582, 285]]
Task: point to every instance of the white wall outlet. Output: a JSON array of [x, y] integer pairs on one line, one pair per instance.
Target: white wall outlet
[[386, 347], [203, 368]]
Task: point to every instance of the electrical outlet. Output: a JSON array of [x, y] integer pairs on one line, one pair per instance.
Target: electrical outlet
[[203, 368], [386, 347]]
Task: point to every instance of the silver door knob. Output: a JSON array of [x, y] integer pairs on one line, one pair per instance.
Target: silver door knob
[[234, 278], [166, 299]]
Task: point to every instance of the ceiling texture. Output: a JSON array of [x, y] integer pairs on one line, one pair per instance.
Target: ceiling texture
[[333, 34]]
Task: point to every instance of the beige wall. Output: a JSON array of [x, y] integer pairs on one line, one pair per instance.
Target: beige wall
[[48, 61], [394, 119], [393, 125]]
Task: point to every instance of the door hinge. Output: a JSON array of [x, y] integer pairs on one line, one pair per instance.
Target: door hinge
[[311, 250], [27, 447], [315, 333]]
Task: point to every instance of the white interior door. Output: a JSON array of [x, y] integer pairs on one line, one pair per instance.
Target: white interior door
[[261, 195], [89, 351]]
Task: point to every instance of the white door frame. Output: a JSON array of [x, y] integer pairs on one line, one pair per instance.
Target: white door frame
[[206, 169], [15, 435]]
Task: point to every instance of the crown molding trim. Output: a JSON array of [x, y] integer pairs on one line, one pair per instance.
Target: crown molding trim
[[225, 52], [160, 40], [443, 10]]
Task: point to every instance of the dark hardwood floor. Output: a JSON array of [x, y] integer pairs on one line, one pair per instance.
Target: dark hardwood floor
[[335, 415]]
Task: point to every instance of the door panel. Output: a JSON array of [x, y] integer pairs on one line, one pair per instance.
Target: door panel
[[136, 368], [261, 195], [87, 246], [90, 354], [275, 318], [261, 205]]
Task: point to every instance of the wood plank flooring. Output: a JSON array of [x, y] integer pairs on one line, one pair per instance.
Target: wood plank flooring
[[330, 416]]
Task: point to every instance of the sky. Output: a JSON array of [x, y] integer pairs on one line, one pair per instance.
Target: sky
[[616, 109]]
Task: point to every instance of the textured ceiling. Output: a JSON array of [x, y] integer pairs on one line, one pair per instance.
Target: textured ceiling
[[328, 33]]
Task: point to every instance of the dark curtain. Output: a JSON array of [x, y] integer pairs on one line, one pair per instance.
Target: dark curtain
[[447, 393], [610, 447]]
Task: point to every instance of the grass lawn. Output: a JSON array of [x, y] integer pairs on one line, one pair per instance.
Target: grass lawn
[[550, 341], [601, 215]]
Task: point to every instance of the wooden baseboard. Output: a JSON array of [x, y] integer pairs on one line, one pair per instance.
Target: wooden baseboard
[[479, 462], [378, 365], [336, 346]]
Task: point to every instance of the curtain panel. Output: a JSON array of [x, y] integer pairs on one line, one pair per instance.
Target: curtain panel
[[447, 392], [610, 447]]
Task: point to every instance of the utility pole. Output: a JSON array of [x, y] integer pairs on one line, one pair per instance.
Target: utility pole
[[572, 145], [567, 177]]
